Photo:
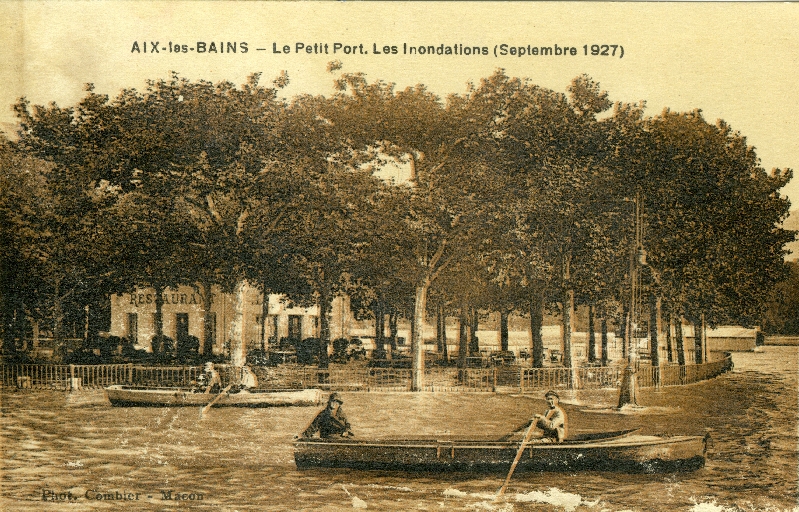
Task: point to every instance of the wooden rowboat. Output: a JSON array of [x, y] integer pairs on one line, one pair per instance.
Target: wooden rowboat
[[610, 451], [127, 396]]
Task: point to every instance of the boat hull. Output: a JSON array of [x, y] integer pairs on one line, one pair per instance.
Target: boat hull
[[635, 453], [133, 396]]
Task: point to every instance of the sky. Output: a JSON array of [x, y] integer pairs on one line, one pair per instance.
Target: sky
[[735, 61]]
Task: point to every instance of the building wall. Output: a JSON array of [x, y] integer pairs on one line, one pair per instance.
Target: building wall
[[725, 338], [188, 301]]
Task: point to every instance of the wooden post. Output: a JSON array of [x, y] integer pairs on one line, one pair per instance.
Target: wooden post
[[74, 382]]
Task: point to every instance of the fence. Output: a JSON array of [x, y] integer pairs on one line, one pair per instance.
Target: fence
[[610, 376], [169, 376], [379, 379], [516, 378], [676, 375], [65, 376]]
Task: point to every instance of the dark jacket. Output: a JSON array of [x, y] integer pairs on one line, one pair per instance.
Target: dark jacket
[[328, 424]]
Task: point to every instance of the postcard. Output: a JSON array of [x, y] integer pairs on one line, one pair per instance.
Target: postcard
[[399, 256]]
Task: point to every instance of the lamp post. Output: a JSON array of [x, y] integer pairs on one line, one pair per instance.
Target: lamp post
[[629, 383]]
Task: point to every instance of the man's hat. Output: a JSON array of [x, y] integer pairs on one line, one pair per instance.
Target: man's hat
[[552, 393], [335, 397]]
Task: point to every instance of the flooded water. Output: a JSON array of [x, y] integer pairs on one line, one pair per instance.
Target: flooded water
[[70, 452]]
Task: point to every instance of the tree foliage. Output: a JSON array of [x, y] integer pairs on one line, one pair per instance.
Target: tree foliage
[[519, 199]]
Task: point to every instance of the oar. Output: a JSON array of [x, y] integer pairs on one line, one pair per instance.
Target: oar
[[518, 456], [216, 399], [515, 431]]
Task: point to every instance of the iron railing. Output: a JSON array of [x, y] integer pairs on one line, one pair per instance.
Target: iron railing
[[343, 378]]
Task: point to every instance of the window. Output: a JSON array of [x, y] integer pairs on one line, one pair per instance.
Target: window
[[295, 328], [181, 326], [255, 339], [271, 329], [133, 328]]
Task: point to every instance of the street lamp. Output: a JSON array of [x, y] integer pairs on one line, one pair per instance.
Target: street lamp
[[629, 383]]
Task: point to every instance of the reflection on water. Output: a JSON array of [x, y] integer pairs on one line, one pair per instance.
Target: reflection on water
[[75, 449]]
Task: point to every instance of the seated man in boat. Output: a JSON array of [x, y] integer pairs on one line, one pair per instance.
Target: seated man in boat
[[208, 381], [247, 380], [330, 422], [552, 423]]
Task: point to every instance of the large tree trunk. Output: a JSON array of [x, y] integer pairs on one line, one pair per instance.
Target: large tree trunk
[[380, 330], [264, 316], [463, 339], [699, 329], [591, 335], [58, 316], [158, 317], [625, 331], [392, 329], [604, 327], [654, 348], [678, 338], [324, 328], [536, 324], [568, 312], [474, 342], [503, 330], [11, 331], [236, 333], [441, 332], [669, 349], [628, 392], [444, 345], [417, 342], [208, 333], [566, 345]]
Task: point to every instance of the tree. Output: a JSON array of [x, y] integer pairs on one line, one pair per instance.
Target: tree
[[24, 196], [550, 152], [445, 209], [61, 256], [188, 155], [713, 236], [782, 313]]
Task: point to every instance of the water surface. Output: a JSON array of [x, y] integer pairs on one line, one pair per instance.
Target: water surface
[[78, 448]]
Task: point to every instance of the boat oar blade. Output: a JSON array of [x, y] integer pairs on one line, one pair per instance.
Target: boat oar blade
[[215, 400], [518, 457]]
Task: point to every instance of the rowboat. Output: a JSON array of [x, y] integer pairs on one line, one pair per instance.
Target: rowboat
[[609, 451], [126, 396]]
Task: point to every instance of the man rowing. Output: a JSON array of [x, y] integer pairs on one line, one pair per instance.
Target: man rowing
[[331, 421], [553, 422], [209, 380]]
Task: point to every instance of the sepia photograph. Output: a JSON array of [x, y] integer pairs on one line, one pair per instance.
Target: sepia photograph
[[394, 256]]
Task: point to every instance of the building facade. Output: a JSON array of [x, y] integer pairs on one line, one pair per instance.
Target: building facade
[[183, 314]]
